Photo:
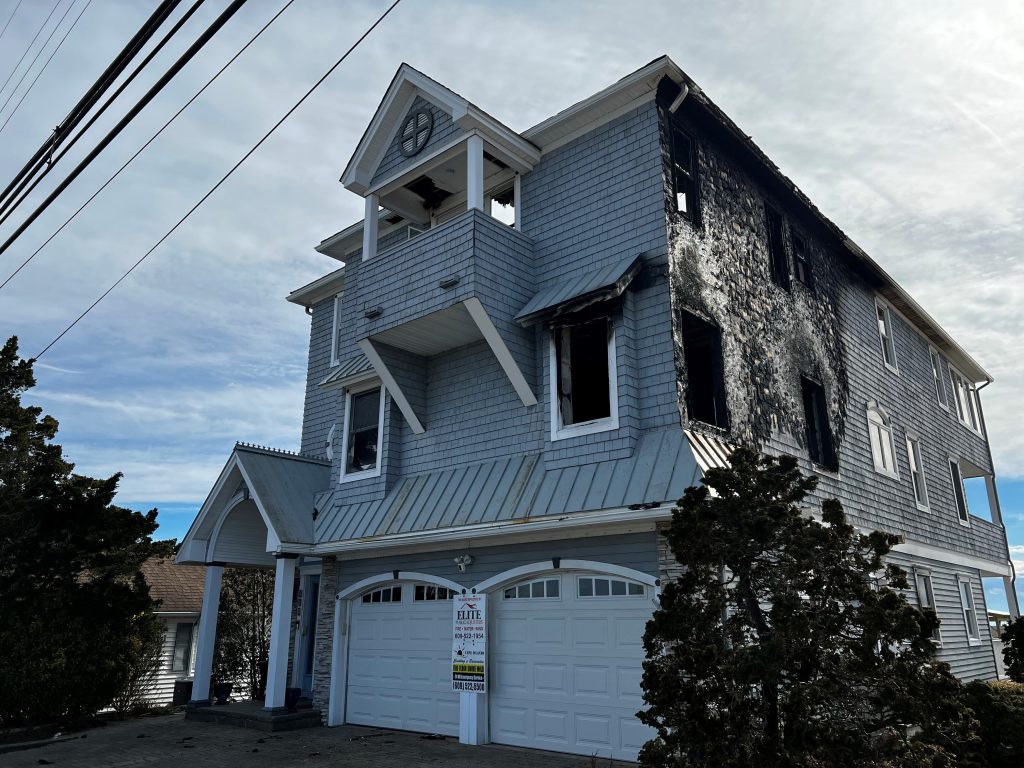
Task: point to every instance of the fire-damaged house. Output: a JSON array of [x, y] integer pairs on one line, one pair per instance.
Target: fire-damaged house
[[529, 347]]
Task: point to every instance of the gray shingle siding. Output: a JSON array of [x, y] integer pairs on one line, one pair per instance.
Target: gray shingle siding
[[443, 132]]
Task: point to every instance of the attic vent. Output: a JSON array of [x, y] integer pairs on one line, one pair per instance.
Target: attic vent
[[416, 131]]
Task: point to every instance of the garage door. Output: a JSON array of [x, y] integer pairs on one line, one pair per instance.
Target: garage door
[[399, 665], [566, 655]]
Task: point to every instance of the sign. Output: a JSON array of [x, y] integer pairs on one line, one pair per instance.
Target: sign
[[469, 643]]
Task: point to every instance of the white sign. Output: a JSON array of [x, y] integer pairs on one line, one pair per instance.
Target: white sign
[[469, 643]]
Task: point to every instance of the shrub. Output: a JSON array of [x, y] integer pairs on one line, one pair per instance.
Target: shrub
[[1013, 649], [999, 707]]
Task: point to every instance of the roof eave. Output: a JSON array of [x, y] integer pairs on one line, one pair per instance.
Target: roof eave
[[322, 288]]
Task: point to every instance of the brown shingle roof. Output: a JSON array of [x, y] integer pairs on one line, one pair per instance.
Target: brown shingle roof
[[178, 587]]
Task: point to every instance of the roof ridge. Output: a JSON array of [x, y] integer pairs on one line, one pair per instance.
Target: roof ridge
[[283, 453]]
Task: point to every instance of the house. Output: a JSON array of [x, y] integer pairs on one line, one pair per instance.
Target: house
[[180, 593], [532, 343]]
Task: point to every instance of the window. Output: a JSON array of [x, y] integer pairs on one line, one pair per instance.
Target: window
[[958, 492], [430, 592], [883, 448], [583, 369], [970, 614], [364, 423], [964, 396], [885, 336], [777, 247], [684, 174], [385, 595], [542, 588], [595, 586], [819, 435], [335, 329], [917, 472], [181, 657], [926, 598], [705, 379], [940, 388], [802, 260]]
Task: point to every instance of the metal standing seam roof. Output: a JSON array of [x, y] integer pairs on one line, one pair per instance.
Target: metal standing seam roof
[[354, 367], [606, 283], [520, 488], [710, 452]]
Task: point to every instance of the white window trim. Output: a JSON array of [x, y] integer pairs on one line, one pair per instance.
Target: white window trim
[[886, 426], [559, 432], [927, 574], [964, 521], [917, 459], [367, 473], [935, 355], [970, 404], [894, 366], [960, 581], [335, 328]]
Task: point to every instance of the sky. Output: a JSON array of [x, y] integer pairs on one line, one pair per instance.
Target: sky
[[904, 122]]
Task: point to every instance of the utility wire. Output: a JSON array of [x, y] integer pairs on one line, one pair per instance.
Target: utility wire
[[7, 206], [94, 92], [38, 32], [9, 19], [45, 65], [144, 146], [35, 58], [223, 178]]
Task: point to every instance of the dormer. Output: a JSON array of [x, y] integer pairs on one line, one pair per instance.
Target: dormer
[[429, 155]]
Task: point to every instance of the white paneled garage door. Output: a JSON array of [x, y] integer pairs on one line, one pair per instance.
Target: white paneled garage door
[[399, 665], [566, 661]]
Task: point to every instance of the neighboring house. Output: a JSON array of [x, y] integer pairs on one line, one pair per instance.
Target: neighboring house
[[180, 592], [536, 341]]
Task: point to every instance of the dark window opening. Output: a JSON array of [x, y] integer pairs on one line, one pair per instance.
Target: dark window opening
[[820, 445], [705, 376], [777, 248], [802, 261], [363, 424], [182, 653], [684, 174], [583, 381], [958, 491]]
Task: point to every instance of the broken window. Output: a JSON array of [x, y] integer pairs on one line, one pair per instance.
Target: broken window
[[820, 444], [363, 431], [883, 447], [958, 492], [802, 260], [777, 247], [583, 353], [684, 174], [885, 335], [705, 379]]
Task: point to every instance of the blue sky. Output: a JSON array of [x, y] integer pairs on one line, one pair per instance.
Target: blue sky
[[903, 121]]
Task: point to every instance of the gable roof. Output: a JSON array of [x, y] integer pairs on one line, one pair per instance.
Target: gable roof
[[407, 84], [179, 588]]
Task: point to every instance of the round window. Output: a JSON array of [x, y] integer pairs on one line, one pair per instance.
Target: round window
[[416, 131]]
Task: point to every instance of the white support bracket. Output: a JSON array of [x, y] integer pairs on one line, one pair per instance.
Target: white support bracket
[[501, 351], [391, 385]]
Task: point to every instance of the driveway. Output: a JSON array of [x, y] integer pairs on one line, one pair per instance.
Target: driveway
[[170, 741]]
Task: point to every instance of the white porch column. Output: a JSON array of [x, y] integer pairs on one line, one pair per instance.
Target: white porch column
[[207, 634], [474, 173], [370, 221], [280, 631], [517, 202]]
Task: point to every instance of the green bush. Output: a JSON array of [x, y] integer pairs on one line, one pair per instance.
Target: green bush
[[999, 707], [1013, 649]]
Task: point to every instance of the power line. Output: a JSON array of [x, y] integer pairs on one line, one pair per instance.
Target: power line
[[223, 178], [144, 146], [38, 32], [45, 164], [113, 133], [45, 65], [6, 25], [39, 53]]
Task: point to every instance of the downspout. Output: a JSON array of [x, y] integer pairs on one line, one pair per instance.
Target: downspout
[[679, 99], [1010, 583]]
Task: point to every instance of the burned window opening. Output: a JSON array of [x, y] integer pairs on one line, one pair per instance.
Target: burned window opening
[[705, 375], [820, 444], [777, 248], [802, 261], [583, 375], [684, 175]]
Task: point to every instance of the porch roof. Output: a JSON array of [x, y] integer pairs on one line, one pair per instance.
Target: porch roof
[[606, 283]]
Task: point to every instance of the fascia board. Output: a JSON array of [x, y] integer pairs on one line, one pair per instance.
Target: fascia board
[[322, 288]]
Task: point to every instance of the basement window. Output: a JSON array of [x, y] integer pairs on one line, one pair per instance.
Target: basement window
[[777, 247], [820, 445], [684, 174], [583, 371], [883, 447], [364, 424], [705, 379], [802, 260], [885, 336]]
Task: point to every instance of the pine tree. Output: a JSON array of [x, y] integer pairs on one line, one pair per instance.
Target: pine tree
[[72, 598], [785, 640]]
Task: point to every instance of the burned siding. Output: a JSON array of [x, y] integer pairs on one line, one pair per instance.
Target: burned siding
[[720, 271]]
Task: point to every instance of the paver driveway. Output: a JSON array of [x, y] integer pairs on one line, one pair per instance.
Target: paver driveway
[[170, 741]]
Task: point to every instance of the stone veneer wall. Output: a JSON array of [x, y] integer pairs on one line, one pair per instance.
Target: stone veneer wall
[[324, 636]]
